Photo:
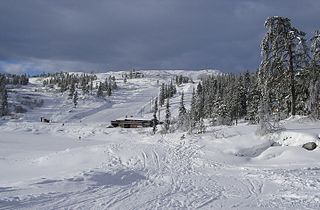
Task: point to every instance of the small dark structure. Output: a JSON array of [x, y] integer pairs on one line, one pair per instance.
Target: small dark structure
[[42, 119], [132, 123]]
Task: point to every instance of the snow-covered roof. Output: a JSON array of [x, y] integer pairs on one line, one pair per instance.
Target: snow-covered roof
[[133, 118]]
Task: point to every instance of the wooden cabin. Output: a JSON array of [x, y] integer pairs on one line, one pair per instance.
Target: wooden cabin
[[132, 123], [45, 120]]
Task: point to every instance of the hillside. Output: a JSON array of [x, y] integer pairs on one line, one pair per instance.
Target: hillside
[[78, 162]]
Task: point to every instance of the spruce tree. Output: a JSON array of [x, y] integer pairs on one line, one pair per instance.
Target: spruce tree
[[4, 110], [253, 100], [314, 76], [182, 109], [162, 96], [284, 53], [193, 111], [199, 103], [109, 89], [167, 117], [100, 91], [71, 90], [75, 99], [155, 121], [182, 117], [91, 87]]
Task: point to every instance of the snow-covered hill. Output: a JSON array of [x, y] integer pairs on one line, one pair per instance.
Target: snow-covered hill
[[47, 165]]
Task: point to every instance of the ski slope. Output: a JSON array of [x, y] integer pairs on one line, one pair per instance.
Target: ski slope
[[47, 166]]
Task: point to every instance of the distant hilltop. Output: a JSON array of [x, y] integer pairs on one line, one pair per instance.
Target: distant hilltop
[[194, 74]]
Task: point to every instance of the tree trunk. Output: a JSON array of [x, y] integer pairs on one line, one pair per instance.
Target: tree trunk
[[292, 82]]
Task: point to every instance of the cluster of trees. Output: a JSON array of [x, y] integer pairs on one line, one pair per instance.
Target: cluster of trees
[[180, 79], [167, 121], [287, 83], [224, 99], [9, 79], [166, 91], [108, 86], [84, 82], [14, 79], [3, 96], [289, 73], [132, 74], [66, 80]]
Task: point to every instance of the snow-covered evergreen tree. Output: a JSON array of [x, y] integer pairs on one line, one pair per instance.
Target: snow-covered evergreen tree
[[242, 96], [284, 53], [182, 108], [193, 111], [91, 86], [4, 110], [167, 120], [253, 99], [72, 90], [162, 95], [100, 91], [109, 89], [155, 120], [314, 76], [199, 102], [183, 119], [75, 99]]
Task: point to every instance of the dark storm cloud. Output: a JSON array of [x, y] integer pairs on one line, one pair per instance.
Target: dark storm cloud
[[121, 34]]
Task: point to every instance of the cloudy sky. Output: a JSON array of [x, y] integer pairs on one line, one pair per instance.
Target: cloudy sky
[[102, 35]]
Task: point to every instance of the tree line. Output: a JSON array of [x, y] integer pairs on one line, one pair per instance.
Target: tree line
[[287, 83], [84, 82], [9, 79]]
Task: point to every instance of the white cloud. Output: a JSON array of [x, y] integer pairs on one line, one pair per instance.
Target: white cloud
[[43, 65], [12, 68]]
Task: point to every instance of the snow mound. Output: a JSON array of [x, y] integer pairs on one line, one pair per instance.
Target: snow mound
[[293, 138]]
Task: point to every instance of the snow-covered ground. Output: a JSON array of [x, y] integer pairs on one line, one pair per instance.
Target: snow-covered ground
[[47, 166]]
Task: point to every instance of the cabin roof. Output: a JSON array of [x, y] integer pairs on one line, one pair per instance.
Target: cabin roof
[[132, 119]]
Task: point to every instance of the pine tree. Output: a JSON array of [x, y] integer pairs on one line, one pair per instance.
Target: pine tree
[[314, 76], [106, 84], [85, 89], [199, 103], [162, 96], [201, 126], [109, 89], [155, 121], [63, 86], [131, 74], [91, 87], [71, 90], [242, 97], [182, 109], [100, 91], [193, 111], [284, 52], [4, 110], [253, 101], [114, 84], [125, 78], [182, 117], [75, 98], [167, 117]]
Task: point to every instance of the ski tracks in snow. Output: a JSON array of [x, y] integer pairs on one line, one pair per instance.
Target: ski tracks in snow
[[167, 175]]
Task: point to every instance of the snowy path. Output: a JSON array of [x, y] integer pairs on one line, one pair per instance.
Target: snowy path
[[130, 102]]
